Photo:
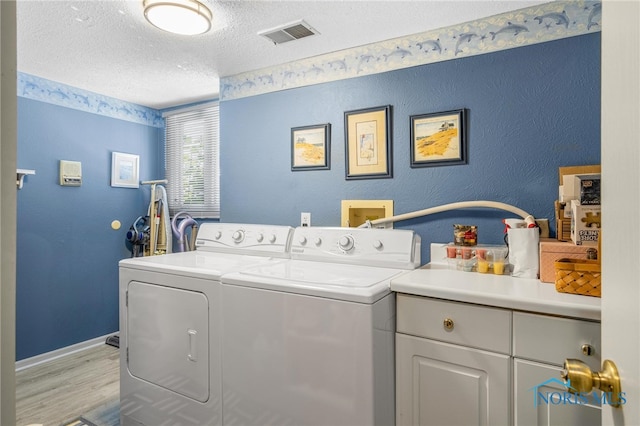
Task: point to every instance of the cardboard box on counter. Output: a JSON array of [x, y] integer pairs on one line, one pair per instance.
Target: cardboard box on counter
[[563, 224], [566, 181], [551, 250], [587, 189], [585, 224], [570, 185], [576, 170]]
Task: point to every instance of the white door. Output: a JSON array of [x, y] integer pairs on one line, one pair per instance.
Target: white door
[[621, 201], [8, 196]]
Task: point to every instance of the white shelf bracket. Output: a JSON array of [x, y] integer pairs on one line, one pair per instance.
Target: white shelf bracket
[[21, 173]]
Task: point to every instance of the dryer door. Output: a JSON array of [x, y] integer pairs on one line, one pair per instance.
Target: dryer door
[[168, 338]]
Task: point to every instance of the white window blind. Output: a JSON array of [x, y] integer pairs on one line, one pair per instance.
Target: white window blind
[[191, 161]]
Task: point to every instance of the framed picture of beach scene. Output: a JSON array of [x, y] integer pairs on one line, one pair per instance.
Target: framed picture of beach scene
[[311, 147], [439, 139]]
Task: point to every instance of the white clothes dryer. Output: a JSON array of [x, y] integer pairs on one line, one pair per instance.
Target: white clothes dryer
[[170, 357], [310, 341]]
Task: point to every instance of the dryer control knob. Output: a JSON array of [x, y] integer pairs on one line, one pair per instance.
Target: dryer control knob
[[377, 244], [346, 242], [318, 241], [260, 237], [272, 238], [238, 236], [218, 235], [302, 240]]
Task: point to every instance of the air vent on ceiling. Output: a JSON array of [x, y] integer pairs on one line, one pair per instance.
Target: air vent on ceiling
[[289, 32]]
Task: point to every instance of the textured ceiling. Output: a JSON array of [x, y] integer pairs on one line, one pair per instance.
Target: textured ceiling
[[107, 47]]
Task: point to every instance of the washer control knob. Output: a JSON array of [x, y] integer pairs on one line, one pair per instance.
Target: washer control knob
[[272, 238], [303, 240], [260, 237], [218, 235], [238, 236], [346, 242], [318, 241], [377, 244]]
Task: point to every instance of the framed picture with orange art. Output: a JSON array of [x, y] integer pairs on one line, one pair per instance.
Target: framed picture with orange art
[[439, 139], [311, 147]]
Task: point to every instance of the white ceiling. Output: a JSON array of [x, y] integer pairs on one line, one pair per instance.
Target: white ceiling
[[107, 47]]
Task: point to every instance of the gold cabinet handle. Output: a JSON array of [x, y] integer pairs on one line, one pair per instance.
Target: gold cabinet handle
[[448, 324], [579, 378]]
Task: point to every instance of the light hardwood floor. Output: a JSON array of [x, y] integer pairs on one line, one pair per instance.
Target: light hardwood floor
[[60, 390]]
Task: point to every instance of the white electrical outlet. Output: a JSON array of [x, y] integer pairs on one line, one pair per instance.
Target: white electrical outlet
[[305, 219]]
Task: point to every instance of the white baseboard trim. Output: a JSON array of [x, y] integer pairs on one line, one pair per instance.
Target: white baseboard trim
[[59, 353]]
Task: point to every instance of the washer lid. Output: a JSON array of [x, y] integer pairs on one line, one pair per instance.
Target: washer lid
[[194, 263], [363, 284]]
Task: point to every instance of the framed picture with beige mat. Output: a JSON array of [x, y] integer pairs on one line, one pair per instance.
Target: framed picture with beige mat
[[367, 134]]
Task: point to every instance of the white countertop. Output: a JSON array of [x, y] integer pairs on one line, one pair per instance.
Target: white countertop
[[437, 280]]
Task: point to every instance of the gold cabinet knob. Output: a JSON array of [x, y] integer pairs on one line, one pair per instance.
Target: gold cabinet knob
[[579, 378], [448, 324]]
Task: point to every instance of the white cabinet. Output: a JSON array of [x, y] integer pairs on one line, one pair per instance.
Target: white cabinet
[[448, 370], [465, 364], [543, 402], [443, 384], [540, 345]]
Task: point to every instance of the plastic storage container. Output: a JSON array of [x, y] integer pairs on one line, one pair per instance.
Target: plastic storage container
[[485, 259]]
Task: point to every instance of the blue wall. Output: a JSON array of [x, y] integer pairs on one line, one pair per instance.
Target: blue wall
[[530, 111], [67, 254]]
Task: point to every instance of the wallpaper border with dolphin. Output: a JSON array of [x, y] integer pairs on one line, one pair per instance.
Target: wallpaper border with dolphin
[[40, 89], [543, 23]]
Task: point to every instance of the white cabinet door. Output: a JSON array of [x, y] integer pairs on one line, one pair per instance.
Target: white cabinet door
[[541, 399], [443, 384]]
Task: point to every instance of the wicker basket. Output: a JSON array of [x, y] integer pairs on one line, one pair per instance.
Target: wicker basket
[[578, 276]]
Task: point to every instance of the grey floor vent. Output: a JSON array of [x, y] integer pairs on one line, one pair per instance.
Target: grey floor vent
[[113, 341]]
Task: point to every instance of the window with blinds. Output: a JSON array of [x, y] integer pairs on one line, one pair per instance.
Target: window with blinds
[[191, 160]]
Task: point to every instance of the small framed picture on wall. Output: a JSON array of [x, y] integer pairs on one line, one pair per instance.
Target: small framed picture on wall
[[311, 147], [124, 170], [439, 139]]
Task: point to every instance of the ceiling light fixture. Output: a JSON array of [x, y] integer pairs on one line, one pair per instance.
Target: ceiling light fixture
[[187, 17]]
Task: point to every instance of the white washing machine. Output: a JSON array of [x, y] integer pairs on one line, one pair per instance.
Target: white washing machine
[[170, 357], [310, 341]]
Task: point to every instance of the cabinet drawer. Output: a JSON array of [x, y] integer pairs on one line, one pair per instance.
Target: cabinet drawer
[[553, 339], [474, 326]]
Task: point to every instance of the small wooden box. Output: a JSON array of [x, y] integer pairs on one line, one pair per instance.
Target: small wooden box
[[552, 250]]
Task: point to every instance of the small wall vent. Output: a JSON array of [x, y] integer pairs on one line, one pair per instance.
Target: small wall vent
[[288, 32]]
